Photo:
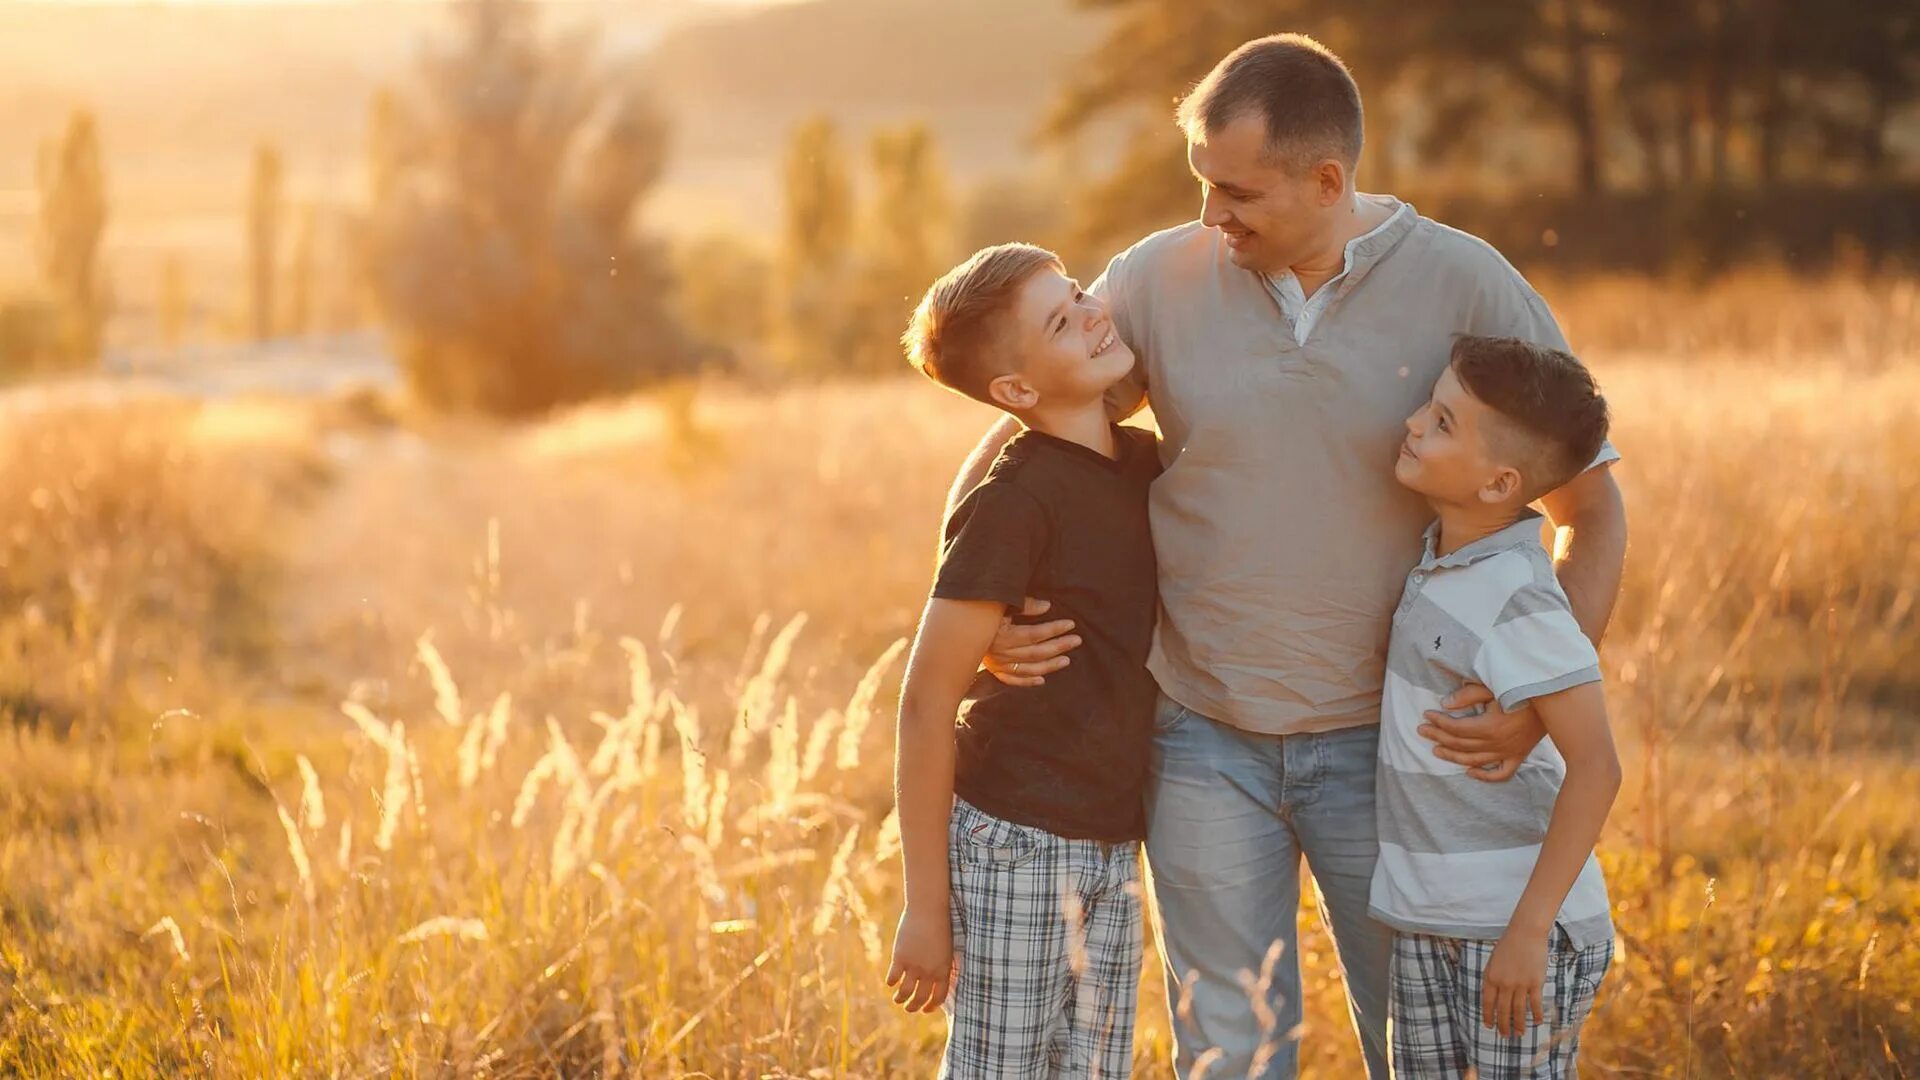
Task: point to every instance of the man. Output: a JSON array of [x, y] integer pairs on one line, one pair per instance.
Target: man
[[1281, 341]]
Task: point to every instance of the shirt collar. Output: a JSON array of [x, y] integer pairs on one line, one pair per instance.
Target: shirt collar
[[1522, 532], [1366, 249]]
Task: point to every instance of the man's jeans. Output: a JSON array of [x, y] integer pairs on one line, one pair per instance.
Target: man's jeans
[[1230, 813]]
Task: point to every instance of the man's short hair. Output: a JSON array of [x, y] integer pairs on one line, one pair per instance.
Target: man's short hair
[[1553, 418], [959, 334], [1297, 85]]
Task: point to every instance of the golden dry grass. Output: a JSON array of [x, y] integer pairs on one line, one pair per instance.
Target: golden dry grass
[[565, 751]]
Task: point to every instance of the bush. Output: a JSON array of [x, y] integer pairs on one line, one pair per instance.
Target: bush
[[499, 248]]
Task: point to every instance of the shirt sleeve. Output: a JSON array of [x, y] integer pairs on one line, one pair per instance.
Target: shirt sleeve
[[1535, 648], [1125, 397], [1147, 445], [992, 547], [1518, 311]]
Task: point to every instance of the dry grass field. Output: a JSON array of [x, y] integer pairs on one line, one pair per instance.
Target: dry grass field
[[339, 743]]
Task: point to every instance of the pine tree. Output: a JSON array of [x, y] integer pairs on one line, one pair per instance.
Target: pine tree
[[908, 240], [72, 222], [298, 320], [263, 241], [174, 303], [814, 324]]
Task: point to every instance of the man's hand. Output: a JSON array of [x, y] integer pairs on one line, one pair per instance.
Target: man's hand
[[922, 969], [1025, 655], [1491, 745]]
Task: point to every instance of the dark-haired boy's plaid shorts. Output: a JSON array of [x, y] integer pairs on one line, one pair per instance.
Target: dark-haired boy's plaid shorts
[[1434, 1010], [1046, 939]]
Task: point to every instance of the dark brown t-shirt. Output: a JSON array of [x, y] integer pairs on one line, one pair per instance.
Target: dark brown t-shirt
[[1057, 521]]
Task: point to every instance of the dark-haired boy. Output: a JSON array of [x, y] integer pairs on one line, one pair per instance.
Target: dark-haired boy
[[1503, 924]]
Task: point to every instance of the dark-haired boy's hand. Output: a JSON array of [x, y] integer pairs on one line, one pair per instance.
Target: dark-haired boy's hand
[[1510, 991], [1023, 655]]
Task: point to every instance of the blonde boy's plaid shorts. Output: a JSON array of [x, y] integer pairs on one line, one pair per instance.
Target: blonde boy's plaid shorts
[[1434, 1027], [1046, 939]]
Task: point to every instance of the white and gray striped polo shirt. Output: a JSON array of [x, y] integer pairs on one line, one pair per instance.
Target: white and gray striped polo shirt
[[1455, 852]]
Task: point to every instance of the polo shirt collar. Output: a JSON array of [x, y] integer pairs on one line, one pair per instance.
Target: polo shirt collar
[[1524, 531], [1365, 250]]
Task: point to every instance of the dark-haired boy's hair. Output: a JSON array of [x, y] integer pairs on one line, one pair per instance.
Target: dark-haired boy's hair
[[1555, 419]]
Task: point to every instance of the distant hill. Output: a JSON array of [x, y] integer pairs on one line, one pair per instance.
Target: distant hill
[[982, 71], [185, 91]]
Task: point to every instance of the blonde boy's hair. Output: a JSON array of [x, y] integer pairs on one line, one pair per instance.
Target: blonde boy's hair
[[958, 334]]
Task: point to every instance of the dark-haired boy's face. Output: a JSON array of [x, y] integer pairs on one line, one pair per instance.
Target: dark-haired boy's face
[[1271, 216], [1446, 455], [1065, 348]]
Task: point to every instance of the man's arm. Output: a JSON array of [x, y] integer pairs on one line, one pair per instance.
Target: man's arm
[[946, 654], [1590, 574], [1577, 720], [1493, 743]]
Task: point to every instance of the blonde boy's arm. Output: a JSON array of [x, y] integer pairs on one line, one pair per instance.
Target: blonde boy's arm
[[946, 654], [974, 469]]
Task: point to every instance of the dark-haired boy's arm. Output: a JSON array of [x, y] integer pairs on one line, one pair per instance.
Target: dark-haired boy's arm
[[1516, 973], [946, 654]]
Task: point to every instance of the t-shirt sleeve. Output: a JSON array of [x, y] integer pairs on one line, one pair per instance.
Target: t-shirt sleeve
[[1146, 444], [1125, 397], [1535, 648], [1514, 309], [992, 546]]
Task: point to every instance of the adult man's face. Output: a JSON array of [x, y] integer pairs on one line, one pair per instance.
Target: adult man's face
[[1273, 217]]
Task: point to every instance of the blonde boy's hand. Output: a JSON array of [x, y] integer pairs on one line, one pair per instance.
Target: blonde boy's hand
[[1511, 988], [922, 968]]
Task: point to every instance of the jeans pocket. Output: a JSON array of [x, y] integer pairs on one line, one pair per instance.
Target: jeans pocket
[[1168, 714]]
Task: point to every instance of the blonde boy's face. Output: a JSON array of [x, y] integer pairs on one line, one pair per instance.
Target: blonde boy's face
[[1445, 455], [1065, 348]]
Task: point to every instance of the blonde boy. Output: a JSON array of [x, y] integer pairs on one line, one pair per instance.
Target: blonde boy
[[1021, 807]]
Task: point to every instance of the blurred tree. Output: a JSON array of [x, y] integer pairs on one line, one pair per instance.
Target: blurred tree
[[1710, 93], [1156, 50], [264, 211], [814, 327], [298, 320], [907, 243], [174, 303], [31, 335], [1012, 207], [72, 221], [499, 248], [725, 284]]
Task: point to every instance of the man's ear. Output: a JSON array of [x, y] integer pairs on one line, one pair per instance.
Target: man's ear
[[1504, 484], [1012, 392], [1330, 181]]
